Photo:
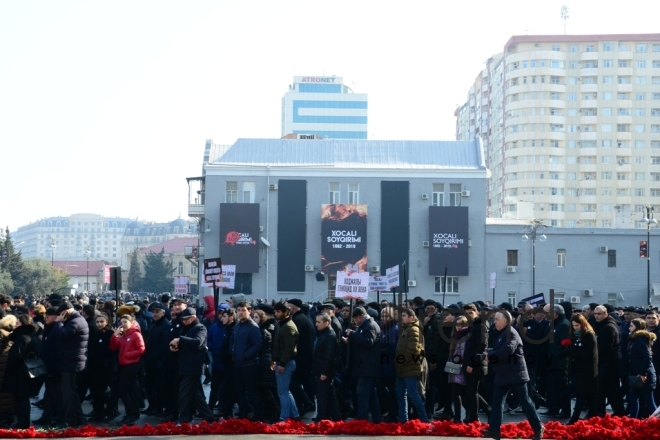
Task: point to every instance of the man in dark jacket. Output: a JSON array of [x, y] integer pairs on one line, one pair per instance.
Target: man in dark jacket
[[474, 367], [323, 369], [53, 413], [155, 360], [559, 398], [364, 346], [171, 370], [301, 383], [607, 335], [245, 345], [72, 348], [284, 359], [431, 323], [507, 361], [215, 339], [228, 390], [191, 346]]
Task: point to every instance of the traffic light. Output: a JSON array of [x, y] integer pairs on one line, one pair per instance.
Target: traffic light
[[643, 249]]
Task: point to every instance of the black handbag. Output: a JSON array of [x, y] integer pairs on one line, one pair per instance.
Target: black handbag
[[635, 382], [34, 367]]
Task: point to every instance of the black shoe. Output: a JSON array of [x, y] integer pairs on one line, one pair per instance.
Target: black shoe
[[97, 419], [129, 421], [17, 426], [487, 433], [549, 414], [110, 417], [539, 435], [305, 408], [563, 415], [510, 410], [443, 416], [41, 421], [149, 411]]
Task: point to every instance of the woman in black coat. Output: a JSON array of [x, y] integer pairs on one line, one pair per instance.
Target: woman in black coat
[[25, 345], [641, 365], [102, 364], [583, 358]]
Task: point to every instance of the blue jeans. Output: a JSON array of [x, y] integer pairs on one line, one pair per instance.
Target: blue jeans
[[288, 407], [633, 399], [367, 399], [519, 391], [408, 386]]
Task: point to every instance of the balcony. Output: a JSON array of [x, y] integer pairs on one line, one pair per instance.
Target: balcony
[[589, 56], [195, 210], [196, 195]]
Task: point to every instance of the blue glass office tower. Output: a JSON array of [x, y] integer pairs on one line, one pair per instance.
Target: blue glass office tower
[[324, 106]]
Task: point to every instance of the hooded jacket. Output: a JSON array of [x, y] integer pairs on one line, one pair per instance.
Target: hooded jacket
[[285, 342], [130, 345], [409, 356], [639, 353]]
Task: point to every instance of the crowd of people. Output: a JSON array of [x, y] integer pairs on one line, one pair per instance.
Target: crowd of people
[[271, 362]]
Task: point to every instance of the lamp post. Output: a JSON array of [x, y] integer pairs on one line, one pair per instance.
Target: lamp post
[[52, 252], [87, 254], [650, 221], [534, 231]]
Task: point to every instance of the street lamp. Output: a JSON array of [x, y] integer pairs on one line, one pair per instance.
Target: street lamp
[[52, 252], [87, 254], [650, 221], [535, 230]]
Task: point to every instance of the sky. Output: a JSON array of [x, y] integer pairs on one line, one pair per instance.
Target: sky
[[105, 106]]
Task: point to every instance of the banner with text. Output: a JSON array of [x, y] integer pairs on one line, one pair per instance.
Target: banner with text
[[378, 284], [448, 247], [392, 275], [181, 284], [352, 284], [239, 235], [343, 238], [228, 276], [212, 271]]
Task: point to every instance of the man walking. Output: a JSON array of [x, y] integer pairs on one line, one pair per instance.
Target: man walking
[[323, 369], [284, 359], [408, 365]]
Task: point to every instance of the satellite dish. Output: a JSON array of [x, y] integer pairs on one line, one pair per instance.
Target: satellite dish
[[265, 242]]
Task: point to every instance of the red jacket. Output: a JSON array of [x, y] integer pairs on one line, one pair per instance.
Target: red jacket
[[130, 346]]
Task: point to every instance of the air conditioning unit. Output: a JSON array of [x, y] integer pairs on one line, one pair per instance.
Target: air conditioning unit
[[425, 196], [375, 268], [273, 186], [575, 300], [261, 229], [603, 249], [309, 268], [425, 244], [588, 292], [465, 193], [412, 283], [510, 269]]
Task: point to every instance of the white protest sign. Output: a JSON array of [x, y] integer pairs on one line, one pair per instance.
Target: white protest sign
[[181, 284], [377, 284], [352, 284], [228, 276], [392, 275]]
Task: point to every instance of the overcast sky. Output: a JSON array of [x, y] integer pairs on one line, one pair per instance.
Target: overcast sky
[[105, 105]]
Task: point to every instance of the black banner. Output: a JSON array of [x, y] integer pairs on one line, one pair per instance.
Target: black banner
[[448, 240], [343, 238], [394, 223], [239, 236], [291, 235]]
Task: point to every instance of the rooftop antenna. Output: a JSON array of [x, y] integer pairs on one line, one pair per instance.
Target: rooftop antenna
[[564, 16]]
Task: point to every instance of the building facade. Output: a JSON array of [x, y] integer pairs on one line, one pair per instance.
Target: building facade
[[570, 125], [325, 107]]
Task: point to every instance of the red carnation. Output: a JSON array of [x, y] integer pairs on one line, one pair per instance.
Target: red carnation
[[566, 342]]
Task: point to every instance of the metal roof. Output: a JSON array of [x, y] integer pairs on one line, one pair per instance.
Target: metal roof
[[354, 153]]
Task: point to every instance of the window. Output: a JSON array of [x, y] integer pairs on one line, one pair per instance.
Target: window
[[180, 270], [642, 47], [606, 127], [622, 128], [608, 47], [640, 96], [590, 64], [512, 257], [623, 79], [560, 297], [452, 285], [556, 48], [608, 79], [231, 192], [623, 63], [248, 192], [607, 96], [454, 194], [641, 64], [353, 193], [655, 160], [655, 64], [590, 48], [639, 192], [639, 176], [334, 193], [611, 258], [572, 64], [623, 47], [561, 257], [573, 48], [655, 192], [656, 48], [640, 128], [554, 80], [640, 80]]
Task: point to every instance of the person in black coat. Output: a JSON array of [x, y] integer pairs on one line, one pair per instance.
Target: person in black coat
[[559, 398], [191, 345], [507, 361], [302, 386], [102, 366], [263, 317], [323, 369], [583, 355], [609, 388], [155, 360], [474, 366], [52, 413], [73, 338], [25, 346], [641, 365], [228, 394], [364, 346]]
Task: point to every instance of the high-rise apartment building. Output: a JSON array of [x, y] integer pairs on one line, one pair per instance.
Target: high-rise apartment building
[[325, 107], [571, 126]]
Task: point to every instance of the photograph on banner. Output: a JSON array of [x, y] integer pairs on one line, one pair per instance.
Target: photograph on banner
[[352, 285], [392, 275], [449, 244], [228, 276], [181, 284], [343, 237], [212, 271], [239, 235], [377, 284]]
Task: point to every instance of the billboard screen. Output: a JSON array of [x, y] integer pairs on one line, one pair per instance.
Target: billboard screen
[[448, 240], [343, 238], [239, 236]]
